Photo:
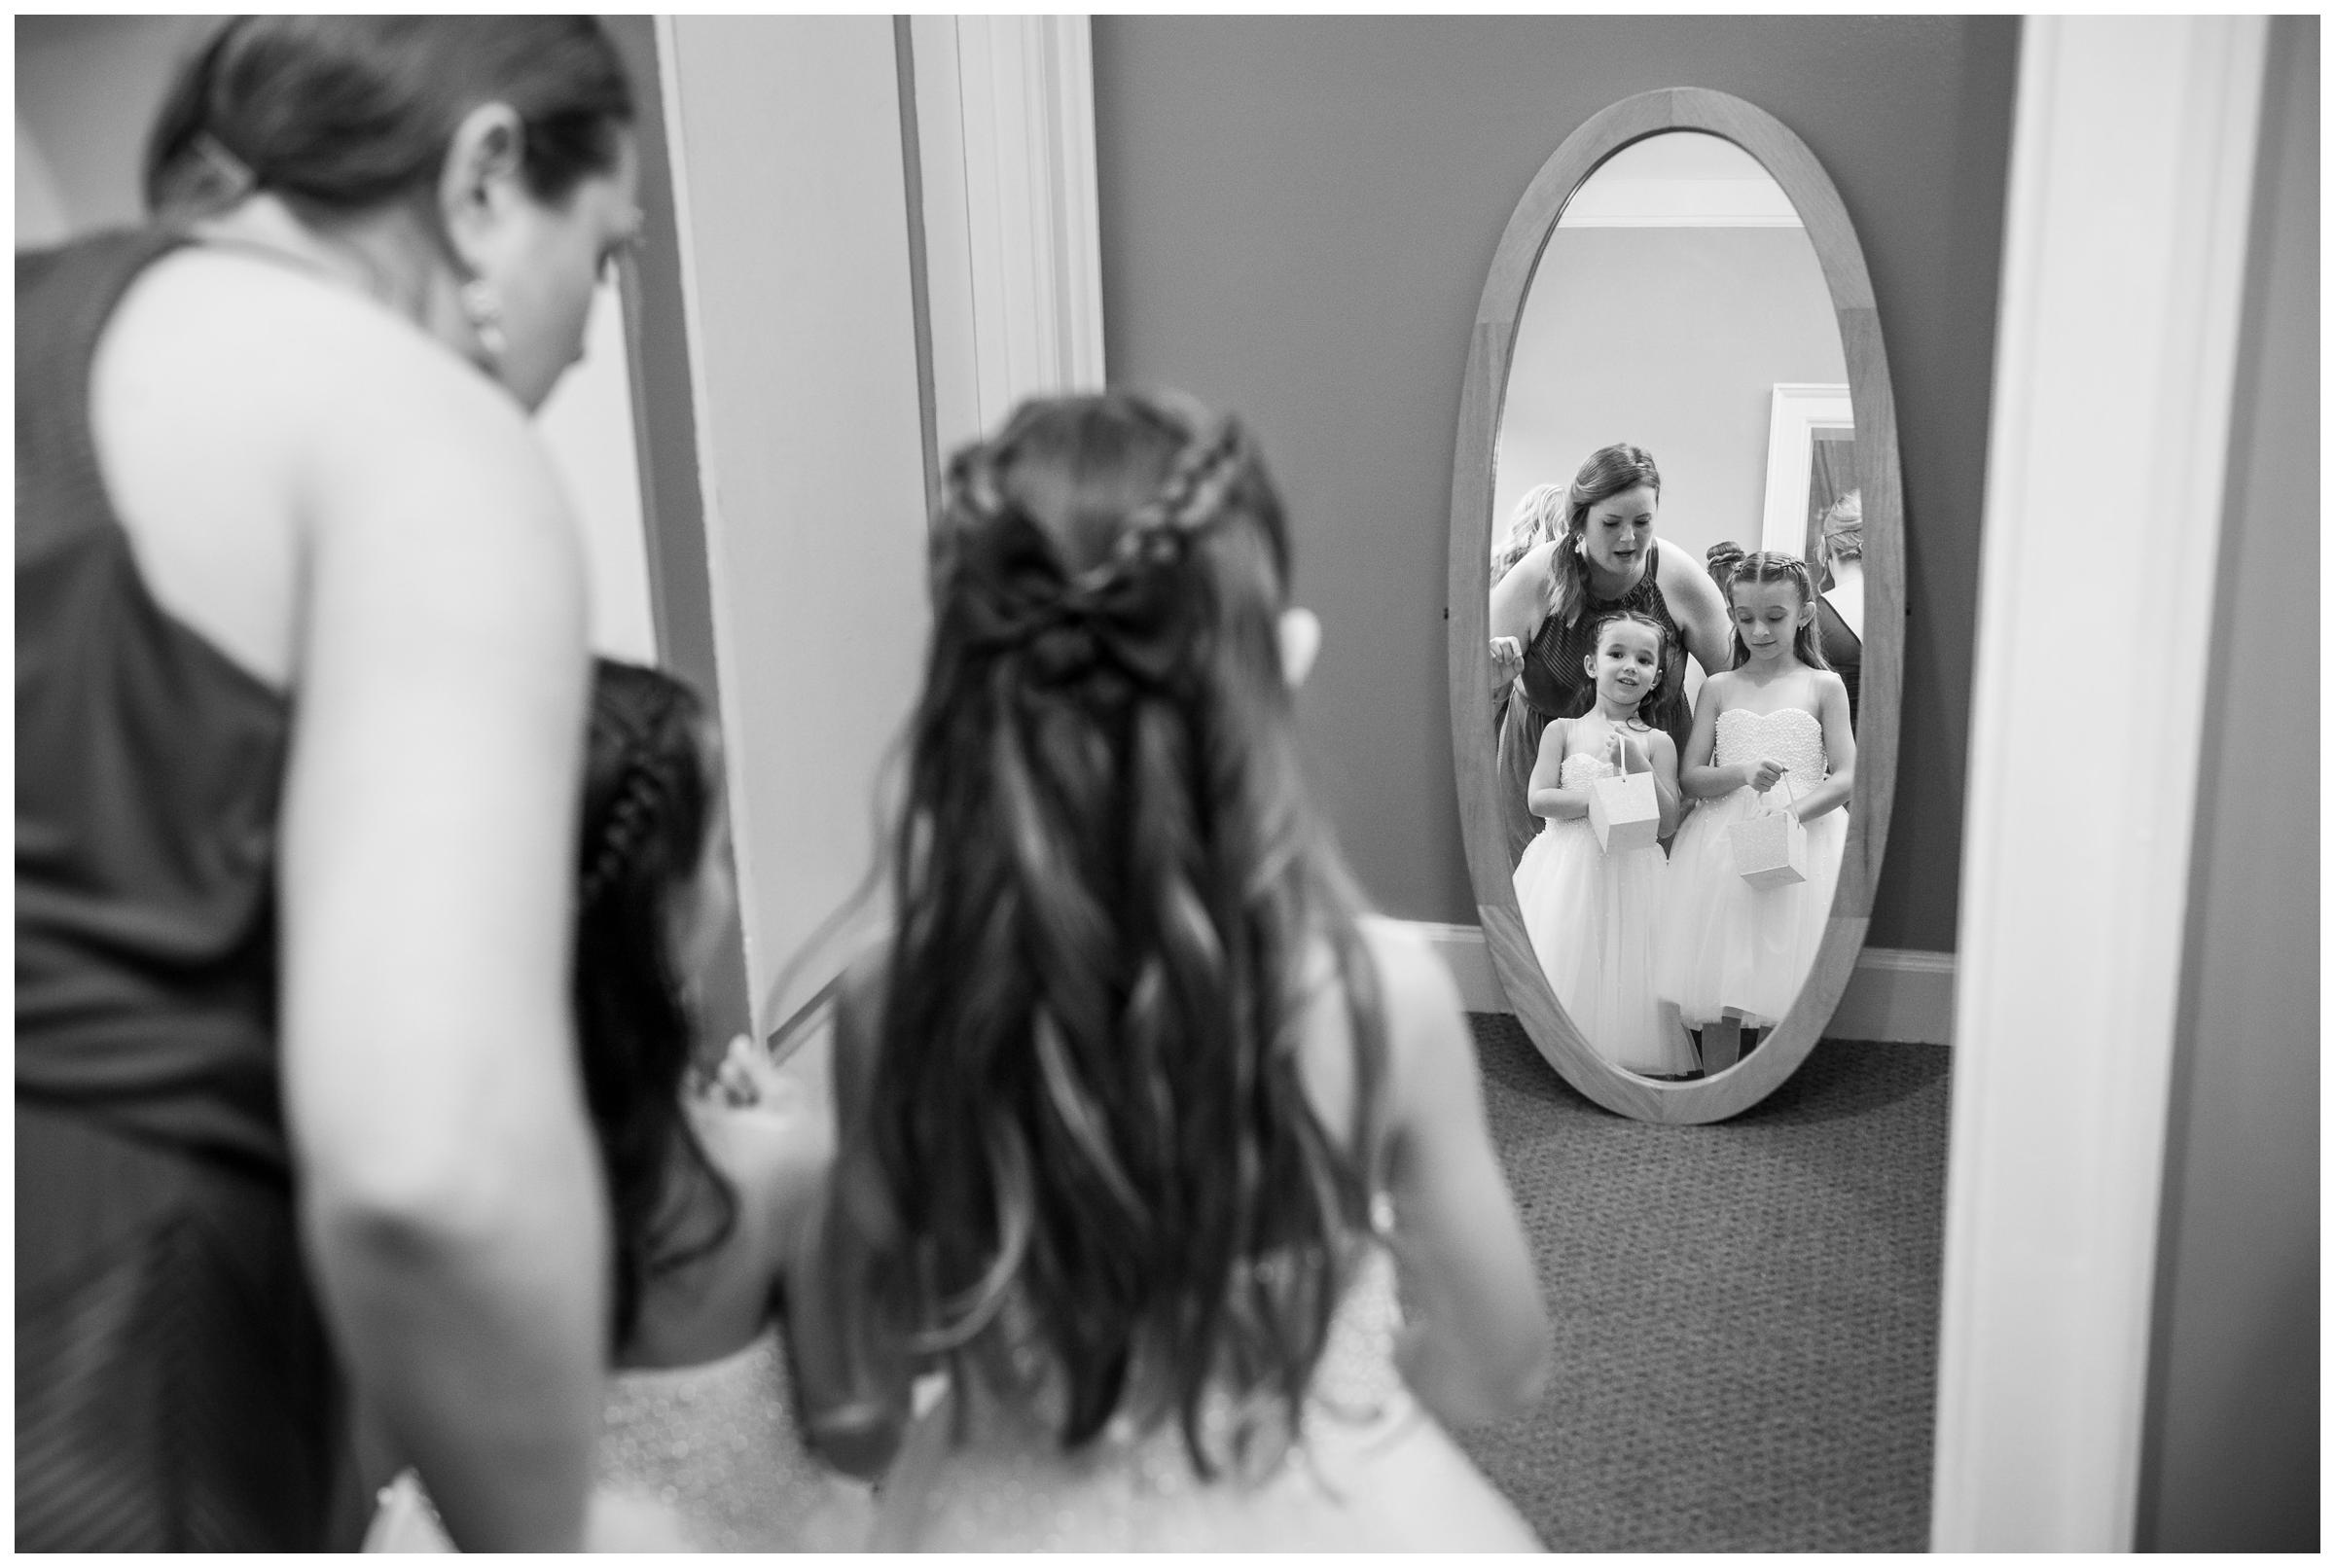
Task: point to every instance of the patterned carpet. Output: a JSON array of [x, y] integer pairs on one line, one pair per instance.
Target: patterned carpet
[[1745, 1313]]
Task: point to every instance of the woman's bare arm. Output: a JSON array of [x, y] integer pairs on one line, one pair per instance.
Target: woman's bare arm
[[1518, 599], [1696, 605], [448, 1186]]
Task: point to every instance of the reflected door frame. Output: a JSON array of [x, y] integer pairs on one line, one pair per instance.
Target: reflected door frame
[[2132, 172]]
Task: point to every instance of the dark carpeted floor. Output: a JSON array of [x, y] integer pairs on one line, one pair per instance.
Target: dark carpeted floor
[[1745, 1314]]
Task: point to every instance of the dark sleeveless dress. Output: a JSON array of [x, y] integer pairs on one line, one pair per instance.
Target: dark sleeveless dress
[[1556, 684], [175, 1386], [1844, 650]]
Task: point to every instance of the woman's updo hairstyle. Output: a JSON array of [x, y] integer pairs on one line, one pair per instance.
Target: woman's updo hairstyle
[[1844, 527], [1720, 561], [1609, 471], [347, 114], [648, 807]]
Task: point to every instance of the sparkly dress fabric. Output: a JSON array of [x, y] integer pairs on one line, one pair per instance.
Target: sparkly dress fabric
[[1596, 922], [1725, 944], [714, 1447], [1373, 1472]]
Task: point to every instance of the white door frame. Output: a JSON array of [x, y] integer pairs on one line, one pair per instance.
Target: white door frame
[[2124, 257]]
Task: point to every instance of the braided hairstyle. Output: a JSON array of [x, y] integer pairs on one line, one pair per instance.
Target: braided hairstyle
[[648, 807], [1774, 566], [1609, 471], [1102, 1183]]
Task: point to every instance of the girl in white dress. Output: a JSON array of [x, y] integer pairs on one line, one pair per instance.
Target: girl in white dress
[[1771, 735], [1594, 914], [1140, 1117], [709, 1175]]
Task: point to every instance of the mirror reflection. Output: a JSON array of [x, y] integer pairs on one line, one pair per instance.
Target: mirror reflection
[[1676, 639]]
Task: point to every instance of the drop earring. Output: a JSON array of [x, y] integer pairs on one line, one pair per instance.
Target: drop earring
[[484, 311]]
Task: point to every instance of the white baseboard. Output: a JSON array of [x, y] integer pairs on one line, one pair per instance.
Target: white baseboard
[[1898, 995]]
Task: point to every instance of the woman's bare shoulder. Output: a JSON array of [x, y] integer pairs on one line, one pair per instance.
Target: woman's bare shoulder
[[257, 329]]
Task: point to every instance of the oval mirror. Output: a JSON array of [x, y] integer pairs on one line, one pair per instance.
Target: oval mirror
[[1674, 765]]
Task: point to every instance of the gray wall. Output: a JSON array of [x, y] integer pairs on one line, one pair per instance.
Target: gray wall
[[1672, 340], [2232, 1452], [1297, 217]]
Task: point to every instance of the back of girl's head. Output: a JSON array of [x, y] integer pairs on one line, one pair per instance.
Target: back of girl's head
[[1608, 472], [1774, 566], [1844, 526], [1087, 1114], [1720, 561], [347, 114], [648, 807]]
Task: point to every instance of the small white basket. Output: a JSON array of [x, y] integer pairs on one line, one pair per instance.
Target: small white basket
[[1770, 850], [1624, 813]]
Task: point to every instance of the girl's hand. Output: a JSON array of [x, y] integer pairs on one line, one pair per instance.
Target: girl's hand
[[746, 1076], [1507, 659], [1762, 775], [1632, 755]]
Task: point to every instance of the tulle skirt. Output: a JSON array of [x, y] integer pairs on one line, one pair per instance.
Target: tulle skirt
[[1595, 922], [1727, 946]]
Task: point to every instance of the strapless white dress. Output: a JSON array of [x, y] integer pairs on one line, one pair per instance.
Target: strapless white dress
[[1373, 1472], [1596, 919], [714, 1448], [1725, 944]]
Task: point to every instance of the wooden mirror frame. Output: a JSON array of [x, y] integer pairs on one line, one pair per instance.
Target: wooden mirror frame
[[1474, 475]]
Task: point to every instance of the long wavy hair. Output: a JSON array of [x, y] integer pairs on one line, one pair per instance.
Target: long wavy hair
[[1774, 566], [648, 807], [1608, 472], [1107, 1188], [1538, 517]]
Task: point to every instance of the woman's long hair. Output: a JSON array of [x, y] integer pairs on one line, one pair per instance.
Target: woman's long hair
[[1774, 566], [648, 805], [1088, 1117], [1609, 471]]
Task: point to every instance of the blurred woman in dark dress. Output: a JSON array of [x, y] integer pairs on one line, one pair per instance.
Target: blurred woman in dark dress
[[299, 683]]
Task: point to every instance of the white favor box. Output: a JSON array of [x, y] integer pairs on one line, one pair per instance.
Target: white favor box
[[1770, 850], [1624, 813]]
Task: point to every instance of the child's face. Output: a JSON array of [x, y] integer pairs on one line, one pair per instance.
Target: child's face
[[1626, 664], [1767, 615]]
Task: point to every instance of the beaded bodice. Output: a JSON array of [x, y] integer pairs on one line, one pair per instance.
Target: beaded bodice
[[1583, 768], [1792, 737], [717, 1445]]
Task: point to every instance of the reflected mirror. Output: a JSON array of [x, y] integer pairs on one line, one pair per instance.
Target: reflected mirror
[[1667, 772]]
